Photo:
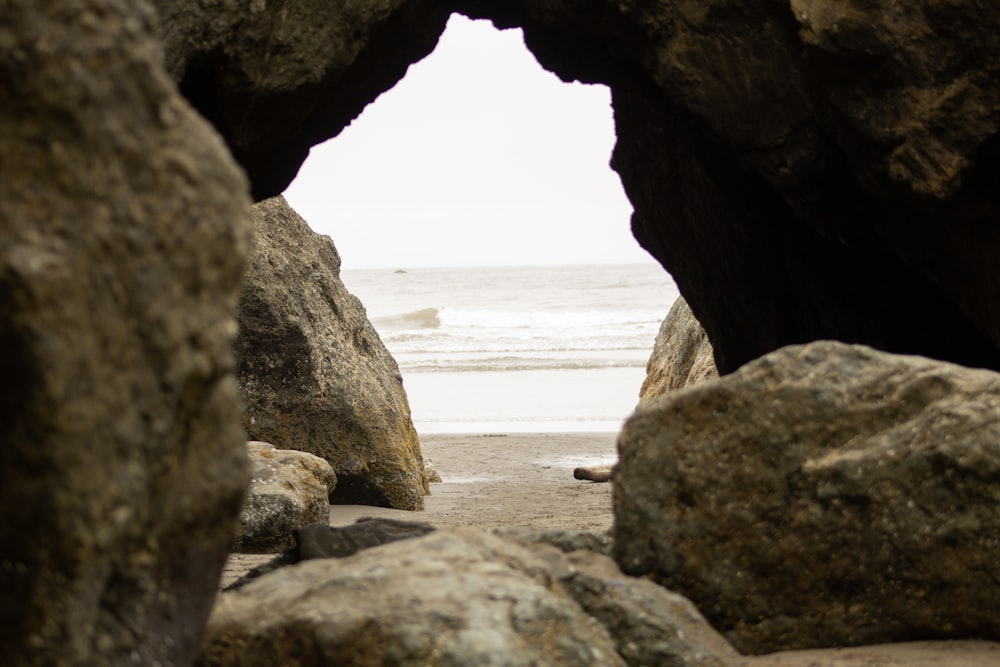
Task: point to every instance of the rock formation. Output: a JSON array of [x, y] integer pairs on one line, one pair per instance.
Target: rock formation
[[313, 372], [321, 540], [288, 489], [124, 227], [809, 169], [459, 597], [681, 357], [824, 495]]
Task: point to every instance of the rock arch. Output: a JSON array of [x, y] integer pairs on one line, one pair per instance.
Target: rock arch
[[805, 170]]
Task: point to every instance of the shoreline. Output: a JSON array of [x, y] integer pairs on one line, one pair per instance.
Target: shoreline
[[508, 479]]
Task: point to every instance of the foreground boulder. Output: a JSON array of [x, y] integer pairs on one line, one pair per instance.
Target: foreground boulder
[[681, 357], [823, 495], [288, 489], [124, 227], [314, 374], [458, 597]]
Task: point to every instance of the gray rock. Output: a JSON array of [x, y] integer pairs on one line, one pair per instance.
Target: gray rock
[[651, 626], [319, 540], [824, 495], [459, 597], [124, 228], [681, 357], [314, 374], [564, 540], [288, 489], [449, 598]]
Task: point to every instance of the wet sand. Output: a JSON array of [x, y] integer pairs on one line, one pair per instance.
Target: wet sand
[[527, 480]]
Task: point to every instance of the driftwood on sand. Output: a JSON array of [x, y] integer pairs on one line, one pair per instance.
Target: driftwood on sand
[[594, 473]]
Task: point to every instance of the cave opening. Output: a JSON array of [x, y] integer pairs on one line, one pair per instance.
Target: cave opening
[[480, 223]]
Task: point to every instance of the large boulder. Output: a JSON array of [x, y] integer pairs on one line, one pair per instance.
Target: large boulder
[[805, 169], [314, 374], [681, 357], [124, 228], [823, 495], [288, 489], [458, 597]]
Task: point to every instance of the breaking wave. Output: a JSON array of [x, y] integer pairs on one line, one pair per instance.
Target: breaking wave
[[425, 318]]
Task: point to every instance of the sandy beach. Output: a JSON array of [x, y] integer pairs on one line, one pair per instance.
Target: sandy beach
[[527, 480]]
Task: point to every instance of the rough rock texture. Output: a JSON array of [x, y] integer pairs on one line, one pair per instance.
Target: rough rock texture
[[823, 495], [320, 540], [288, 489], [314, 374], [650, 625], [124, 228], [564, 540], [681, 357], [455, 597], [805, 169]]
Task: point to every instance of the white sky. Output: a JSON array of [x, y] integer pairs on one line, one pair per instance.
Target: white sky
[[477, 157]]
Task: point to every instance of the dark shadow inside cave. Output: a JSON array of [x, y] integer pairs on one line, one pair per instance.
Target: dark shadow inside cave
[[748, 183]]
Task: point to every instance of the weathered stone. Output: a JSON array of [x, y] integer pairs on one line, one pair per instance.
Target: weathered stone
[[460, 597], [314, 374], [681, 357], [807, 169], [650, 625], [288, 489], [823, 495], [124, 228], [431, 473], [319, 540], [305, 67], [449, 598], [564, 540]]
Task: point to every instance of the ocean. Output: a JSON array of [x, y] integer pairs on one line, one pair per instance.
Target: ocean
[[518, 349]]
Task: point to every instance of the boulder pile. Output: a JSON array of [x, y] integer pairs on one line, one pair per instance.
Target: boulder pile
[[459, 597]]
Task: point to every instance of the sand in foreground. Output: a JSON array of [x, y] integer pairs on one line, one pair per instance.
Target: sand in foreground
[[527, 480]]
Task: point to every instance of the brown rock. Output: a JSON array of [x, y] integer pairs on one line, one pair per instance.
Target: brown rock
[[314, 374], [288, 489], [449, 598], [124, 229], [460, 597], [681, 357], [824, 495], [650, 625], [810, 169]]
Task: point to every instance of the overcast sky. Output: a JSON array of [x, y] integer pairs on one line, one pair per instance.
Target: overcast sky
[[477, 157]]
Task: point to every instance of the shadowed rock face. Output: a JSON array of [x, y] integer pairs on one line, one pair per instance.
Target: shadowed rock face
[[124, 227], [805, 169]]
